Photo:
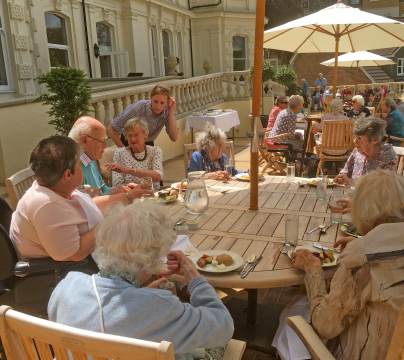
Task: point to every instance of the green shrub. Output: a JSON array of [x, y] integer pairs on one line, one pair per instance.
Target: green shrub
[[285, 75], [68, 96]]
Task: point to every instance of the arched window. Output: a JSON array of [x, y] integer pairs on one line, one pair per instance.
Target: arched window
[[57, 40], [239, 53]]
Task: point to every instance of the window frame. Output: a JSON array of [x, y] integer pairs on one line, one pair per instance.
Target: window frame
[[245, 58], [400, 64], [6, 54], [170, 45], [155, 50], [59, 46]]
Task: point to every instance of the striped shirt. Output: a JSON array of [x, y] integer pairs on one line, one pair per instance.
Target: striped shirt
[[142, 109]]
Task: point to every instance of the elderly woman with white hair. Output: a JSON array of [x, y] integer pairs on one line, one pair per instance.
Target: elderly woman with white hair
[[370, 152], [210, 156], [357, 313], [335, 112], [137, 161], [121, 299], [394, 119], [358, 107]]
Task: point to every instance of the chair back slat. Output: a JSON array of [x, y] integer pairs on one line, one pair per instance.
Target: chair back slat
[[337, 135], [400, 159], [17, 185], [191, 148], [17, 330], [60, 353]]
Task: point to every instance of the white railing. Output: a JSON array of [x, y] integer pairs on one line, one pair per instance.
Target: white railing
[[191, 94]]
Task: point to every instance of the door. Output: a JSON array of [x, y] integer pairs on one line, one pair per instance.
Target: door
[[105, 45]]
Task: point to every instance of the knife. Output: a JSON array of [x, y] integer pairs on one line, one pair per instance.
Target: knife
[[325, 248], [251, 267]]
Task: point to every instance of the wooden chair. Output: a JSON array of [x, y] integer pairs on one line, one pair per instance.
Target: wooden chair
[[319, 351], [396, 139], [28, 337], [336, 142], [17, 185], [190, 148], [400, 159]]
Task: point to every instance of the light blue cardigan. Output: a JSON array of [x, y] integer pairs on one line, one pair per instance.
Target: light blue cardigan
[[144, 313]]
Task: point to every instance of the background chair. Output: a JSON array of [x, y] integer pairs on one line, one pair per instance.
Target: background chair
[[27, 285], [319, 351], [28, 337], [400, 159], [17, 185], [336, 142], [190, 148]]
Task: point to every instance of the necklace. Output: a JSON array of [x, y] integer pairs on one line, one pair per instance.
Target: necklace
[[134, 156]]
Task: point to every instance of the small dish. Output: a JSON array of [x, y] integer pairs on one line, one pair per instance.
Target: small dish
[[312, 249]]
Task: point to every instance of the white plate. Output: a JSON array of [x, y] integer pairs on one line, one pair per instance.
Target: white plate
[[177, 186], [246, 177], [238, 261], [313, 249]]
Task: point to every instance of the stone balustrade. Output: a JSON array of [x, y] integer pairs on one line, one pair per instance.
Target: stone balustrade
[[192, 94]]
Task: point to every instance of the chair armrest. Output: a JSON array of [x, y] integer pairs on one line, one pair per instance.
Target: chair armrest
[[310, 339], [396, 138], [35, 266], [234, 350]]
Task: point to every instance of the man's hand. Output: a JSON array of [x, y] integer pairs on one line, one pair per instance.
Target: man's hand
[[343, 241], [178, 263], [218, 175], [305, 260], [138, 192], [116, 167]]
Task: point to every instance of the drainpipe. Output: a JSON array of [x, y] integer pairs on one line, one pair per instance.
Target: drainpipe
[[83, 4]]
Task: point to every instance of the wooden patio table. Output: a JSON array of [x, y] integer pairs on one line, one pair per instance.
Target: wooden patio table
[[228, 224]]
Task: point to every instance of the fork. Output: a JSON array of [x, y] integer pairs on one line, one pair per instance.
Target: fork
[[250, 260]]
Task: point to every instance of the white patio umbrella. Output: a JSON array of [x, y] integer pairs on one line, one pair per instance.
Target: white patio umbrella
[[337, 28], [359, 58]]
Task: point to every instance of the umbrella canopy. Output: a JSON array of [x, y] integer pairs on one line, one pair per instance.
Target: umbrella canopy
[[359, 58], [337, 28]]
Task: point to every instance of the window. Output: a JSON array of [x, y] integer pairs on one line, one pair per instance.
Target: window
[[166, 47], [4, 65], [400, 67], [180, 58], [105, 46], [155, 51], [239, 53], [57, 40]]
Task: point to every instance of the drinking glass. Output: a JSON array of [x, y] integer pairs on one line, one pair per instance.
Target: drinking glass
[[336, 210], [291, 229], [321, 190], [290, 172], [229, 168], [147, 184]]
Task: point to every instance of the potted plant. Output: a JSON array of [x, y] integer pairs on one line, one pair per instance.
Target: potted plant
[[68, 96], [285, 75]]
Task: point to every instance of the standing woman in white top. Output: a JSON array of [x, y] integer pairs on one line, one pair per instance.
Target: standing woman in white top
[[137, 160]]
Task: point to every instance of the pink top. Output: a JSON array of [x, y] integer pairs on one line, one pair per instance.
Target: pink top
[[47, 224], [272, 116]]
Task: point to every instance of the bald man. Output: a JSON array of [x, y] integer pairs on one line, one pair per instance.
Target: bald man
[[91, 135]]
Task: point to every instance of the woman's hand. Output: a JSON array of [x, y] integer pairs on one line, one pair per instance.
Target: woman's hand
[[218, 175], [178, 263], [305, 260], [342, 179], [343, 241], [343, 206], [138, 192], [116, 167], [172, 105]]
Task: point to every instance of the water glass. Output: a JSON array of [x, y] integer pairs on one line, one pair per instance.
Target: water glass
[[229, 169], [336, 211], [321, 190], [290, 172], [291, 229], [147, 184]]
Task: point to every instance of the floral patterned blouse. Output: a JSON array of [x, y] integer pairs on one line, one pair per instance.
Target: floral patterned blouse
[[357, 164], [150, 159]]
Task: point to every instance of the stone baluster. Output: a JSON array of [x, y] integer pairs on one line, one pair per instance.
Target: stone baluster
[[109, 110], [188, 96], [177, 99], [91, 109], [126, 101], [100, 111], [199, 99], [118, 106]]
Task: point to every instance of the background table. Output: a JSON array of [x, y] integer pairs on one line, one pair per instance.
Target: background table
[[224, 120]]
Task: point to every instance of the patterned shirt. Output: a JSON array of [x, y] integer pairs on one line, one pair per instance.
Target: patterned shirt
[[358, 165], [92, 176], [285, 123], [153, 161], [142, 109]]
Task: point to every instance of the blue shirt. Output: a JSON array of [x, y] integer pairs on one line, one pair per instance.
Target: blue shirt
[[92, 176], [201, 162], [395, 123]]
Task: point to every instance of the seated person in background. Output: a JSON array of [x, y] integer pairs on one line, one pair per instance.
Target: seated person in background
[[336, 112], [136, 161], [210, 156], [90, 134], [326, 102], [54, 219], [370, 152], [284, 128], [281, 104], [394, 119], [358, 313], [316, 99], [129, 254], [358, 107]]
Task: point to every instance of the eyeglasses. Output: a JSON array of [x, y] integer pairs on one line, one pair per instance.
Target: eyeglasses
[[103, 141]]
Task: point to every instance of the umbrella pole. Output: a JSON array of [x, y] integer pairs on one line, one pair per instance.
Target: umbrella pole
[[334, 89], [256, 108]]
